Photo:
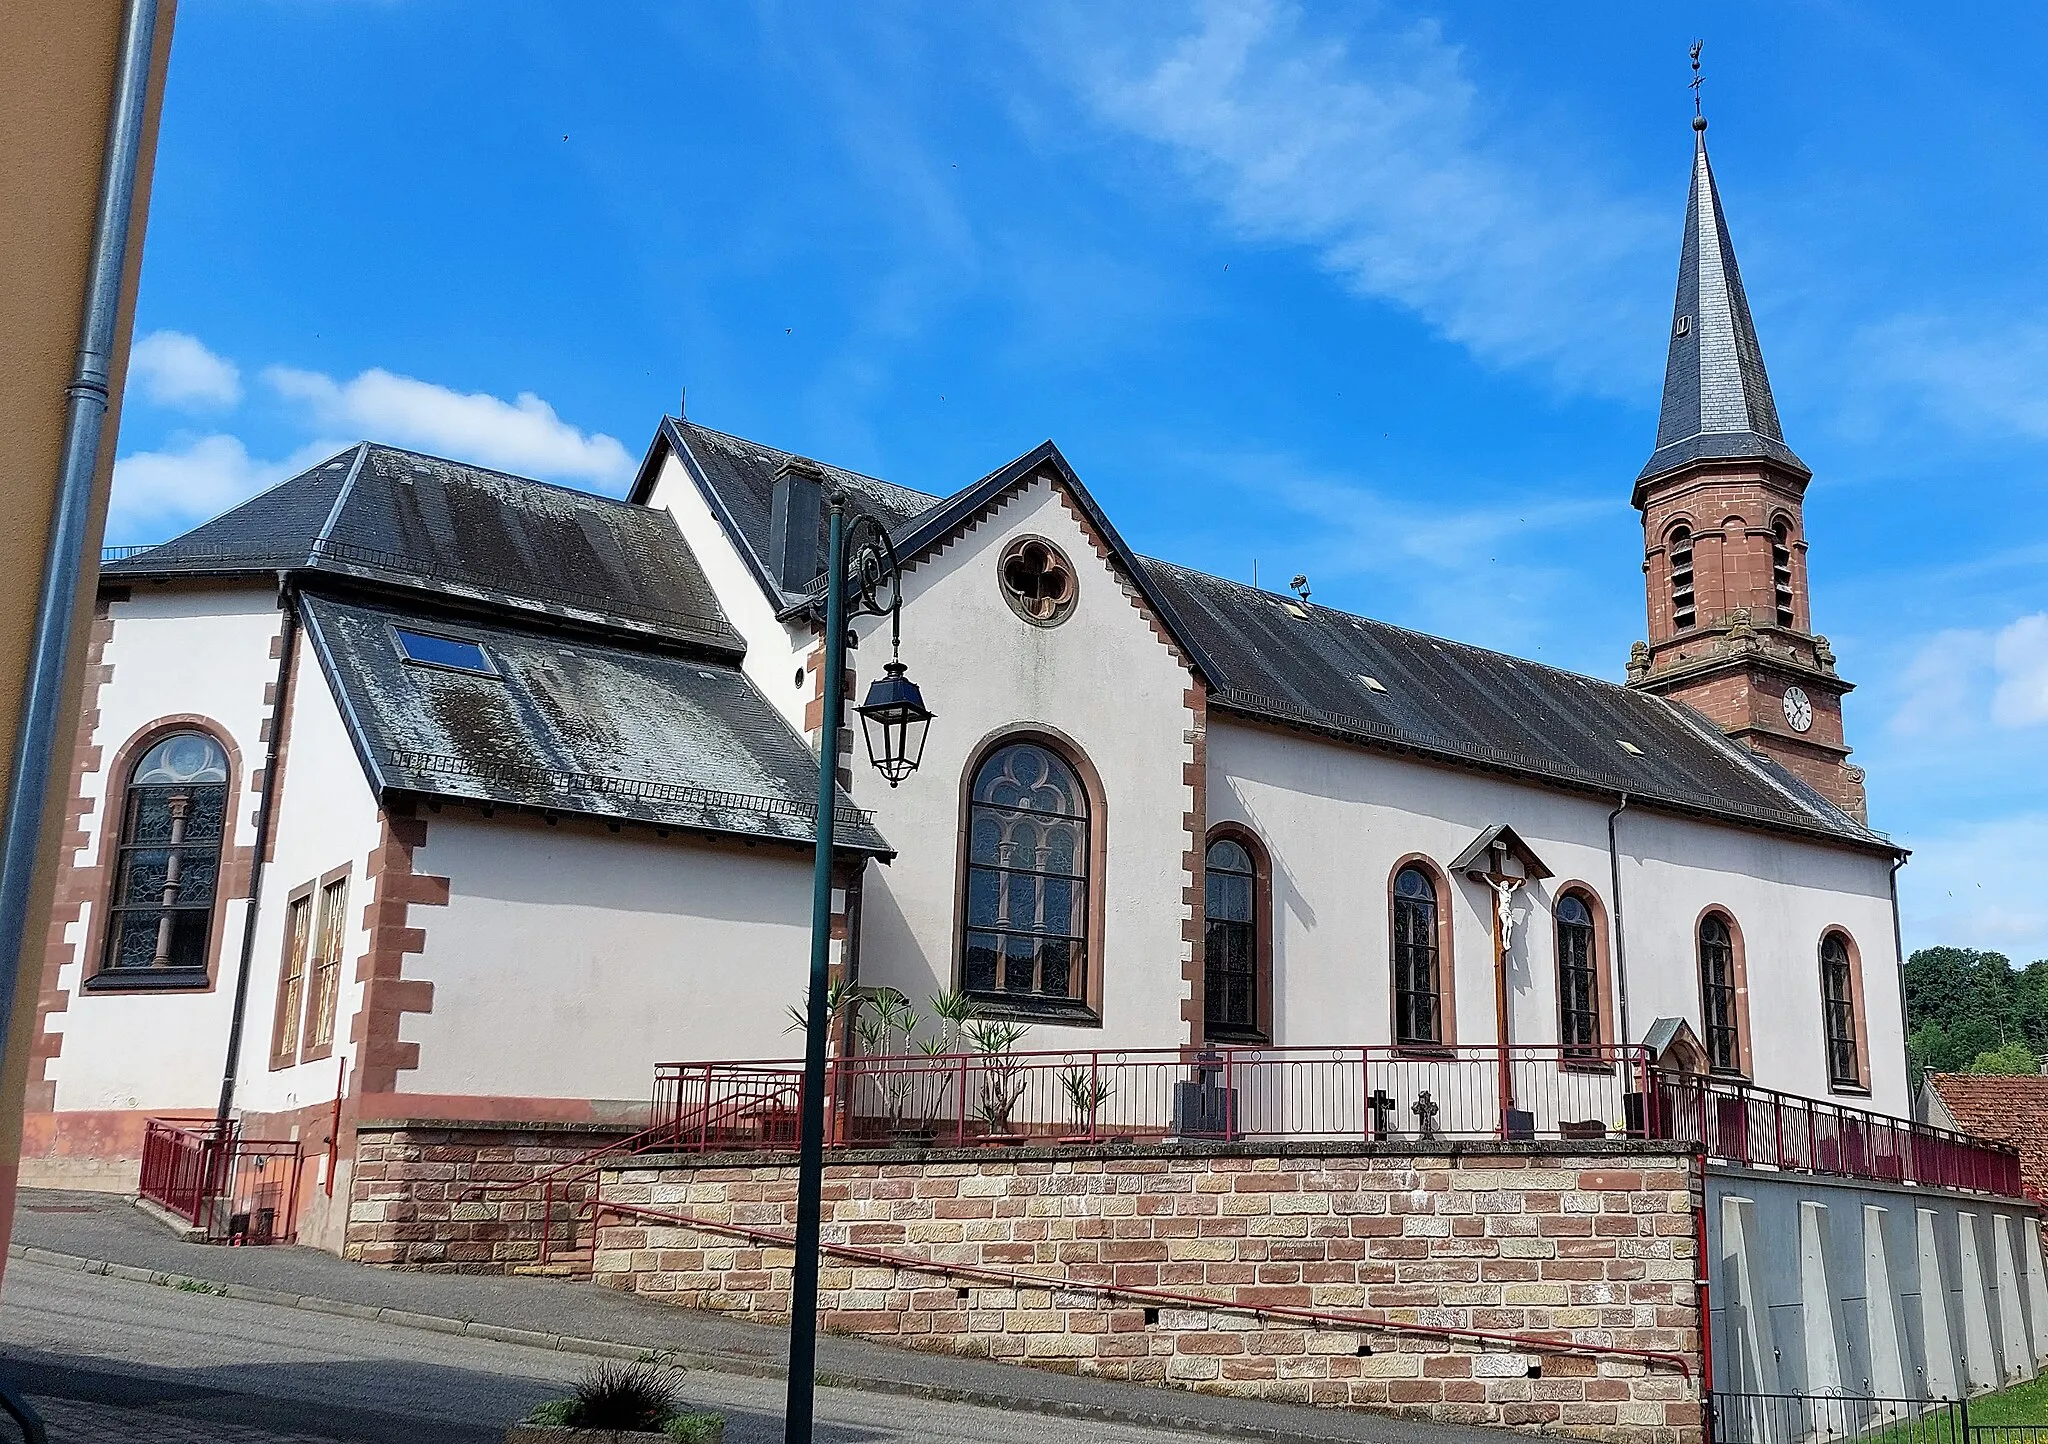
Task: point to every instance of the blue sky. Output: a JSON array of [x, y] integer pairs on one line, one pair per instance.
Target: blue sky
[[1372, 292]]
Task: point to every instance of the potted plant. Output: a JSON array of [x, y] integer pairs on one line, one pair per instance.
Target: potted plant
[[1086, 1090], [999, 1075], [621, 1402]]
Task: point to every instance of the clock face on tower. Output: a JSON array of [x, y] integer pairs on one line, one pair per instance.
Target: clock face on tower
[[1798, 709]]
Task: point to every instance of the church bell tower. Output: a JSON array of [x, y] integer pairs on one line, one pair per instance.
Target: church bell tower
[[1724, 536]]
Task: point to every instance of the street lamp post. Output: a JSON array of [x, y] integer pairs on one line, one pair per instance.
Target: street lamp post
[[895, 721]]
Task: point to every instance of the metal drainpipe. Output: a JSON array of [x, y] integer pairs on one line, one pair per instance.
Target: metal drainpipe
[[1899, 970], [288, 639], [1620, 934], [87, 395]]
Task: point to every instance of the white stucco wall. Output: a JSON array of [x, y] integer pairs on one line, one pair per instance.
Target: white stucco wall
[[1102, 679], [326, 818], [774, 651], [1336, 819], [567, 963], [205, 653]]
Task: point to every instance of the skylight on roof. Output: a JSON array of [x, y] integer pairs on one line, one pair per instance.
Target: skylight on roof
[[453, 653], [1371, 684], [1629, 747], [1295, 610]]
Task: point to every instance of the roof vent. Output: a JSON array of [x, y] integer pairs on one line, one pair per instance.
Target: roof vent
[[1629, 747], [1295, 610], [1371, 684]]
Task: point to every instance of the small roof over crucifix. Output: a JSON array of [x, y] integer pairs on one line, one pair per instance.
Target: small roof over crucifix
[[1500, 852]]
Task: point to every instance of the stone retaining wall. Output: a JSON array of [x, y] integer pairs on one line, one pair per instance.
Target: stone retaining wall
[[411, 1193], [1595, 1245]]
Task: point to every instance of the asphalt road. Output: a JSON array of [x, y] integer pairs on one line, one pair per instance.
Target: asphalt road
[[195, 1366]]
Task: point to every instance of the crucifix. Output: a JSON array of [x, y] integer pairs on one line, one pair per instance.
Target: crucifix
[[1382, 1105]]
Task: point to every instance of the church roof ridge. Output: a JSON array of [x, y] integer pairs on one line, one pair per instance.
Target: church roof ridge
[[1717, 402]]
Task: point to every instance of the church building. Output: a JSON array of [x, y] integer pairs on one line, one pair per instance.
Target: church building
[[409, 790]]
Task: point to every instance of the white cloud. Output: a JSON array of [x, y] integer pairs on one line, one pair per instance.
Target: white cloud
[[159, 493], [1964, 678], [1378, 155], [524, 435], [174, 369], [1978, 886], [1973, 373], [2020, 655]]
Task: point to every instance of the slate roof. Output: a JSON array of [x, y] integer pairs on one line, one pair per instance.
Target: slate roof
[[1717, 399], [1444, 700], [741, 475], [399, 518], [571, 726], [2010, 1110], [1275, 658]]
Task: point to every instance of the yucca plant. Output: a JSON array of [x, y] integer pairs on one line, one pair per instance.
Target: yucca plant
[[1086, 1092]]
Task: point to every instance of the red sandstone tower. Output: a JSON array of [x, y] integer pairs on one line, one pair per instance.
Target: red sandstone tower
[[1724, 539]]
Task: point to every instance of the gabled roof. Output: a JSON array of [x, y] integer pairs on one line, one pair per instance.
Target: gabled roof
[[1280, 660], [1717, 399], [1478, 857], [1269, 657], [737, 479], [398, 518], [570, 726], [2002, 1109]]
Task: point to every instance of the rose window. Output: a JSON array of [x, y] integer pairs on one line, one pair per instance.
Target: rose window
[[1037, 581]]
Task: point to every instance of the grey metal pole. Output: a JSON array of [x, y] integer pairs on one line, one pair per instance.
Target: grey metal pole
[[810, 1187], [43, 696]]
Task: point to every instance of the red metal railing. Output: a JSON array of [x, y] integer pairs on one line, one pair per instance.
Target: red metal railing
[[1369, 1094], [1760, 1127], [238, 1190]]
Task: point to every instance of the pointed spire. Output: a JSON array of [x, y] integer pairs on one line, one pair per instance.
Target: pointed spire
[[1717, 399]]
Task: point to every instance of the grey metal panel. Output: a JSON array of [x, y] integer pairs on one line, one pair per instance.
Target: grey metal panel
[[572, 726]]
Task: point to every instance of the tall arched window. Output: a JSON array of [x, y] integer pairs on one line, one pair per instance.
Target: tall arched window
[[1781, 571], [1719, 1004], [1578, 979], [1679, 548], [167, 861], [1236, 938], [1838, 1001], [1029, 847], [1418, 962]]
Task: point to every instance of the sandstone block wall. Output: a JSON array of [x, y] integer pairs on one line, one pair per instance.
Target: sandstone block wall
[[413, 1201], [1596, 1248]]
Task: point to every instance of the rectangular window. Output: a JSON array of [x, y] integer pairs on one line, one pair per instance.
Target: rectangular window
[[291, 981], [437, 651], [324, 985]]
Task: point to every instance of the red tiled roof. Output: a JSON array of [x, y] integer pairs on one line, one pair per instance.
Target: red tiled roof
[[2005, 1110]]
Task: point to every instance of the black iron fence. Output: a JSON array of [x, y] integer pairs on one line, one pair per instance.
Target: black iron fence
[[1820, 1418]]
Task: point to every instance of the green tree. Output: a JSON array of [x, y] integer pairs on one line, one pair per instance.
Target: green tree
[[1962, 1003], [2013, 1058]]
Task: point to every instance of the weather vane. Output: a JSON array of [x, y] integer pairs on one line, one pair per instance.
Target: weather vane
[[1697, 47]]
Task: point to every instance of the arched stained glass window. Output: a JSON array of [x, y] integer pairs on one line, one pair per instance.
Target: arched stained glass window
[[1578, 978], [1028, 840], [1418, 993], [1838, 1008], [1230, 939], [167, 861], [1717, 995]]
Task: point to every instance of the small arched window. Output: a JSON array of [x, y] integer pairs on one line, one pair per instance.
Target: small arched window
[[167, 862], [1028, 852], [1418, 962], [1781, 571], [1236, 946], [1578, 979], [1718, 1002], [1838, 1000], [1679, 548]]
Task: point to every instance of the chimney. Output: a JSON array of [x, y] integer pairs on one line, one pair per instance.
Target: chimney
[[796, 513]]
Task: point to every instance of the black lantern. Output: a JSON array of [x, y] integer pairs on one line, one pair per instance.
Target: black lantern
[[895, 720]]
